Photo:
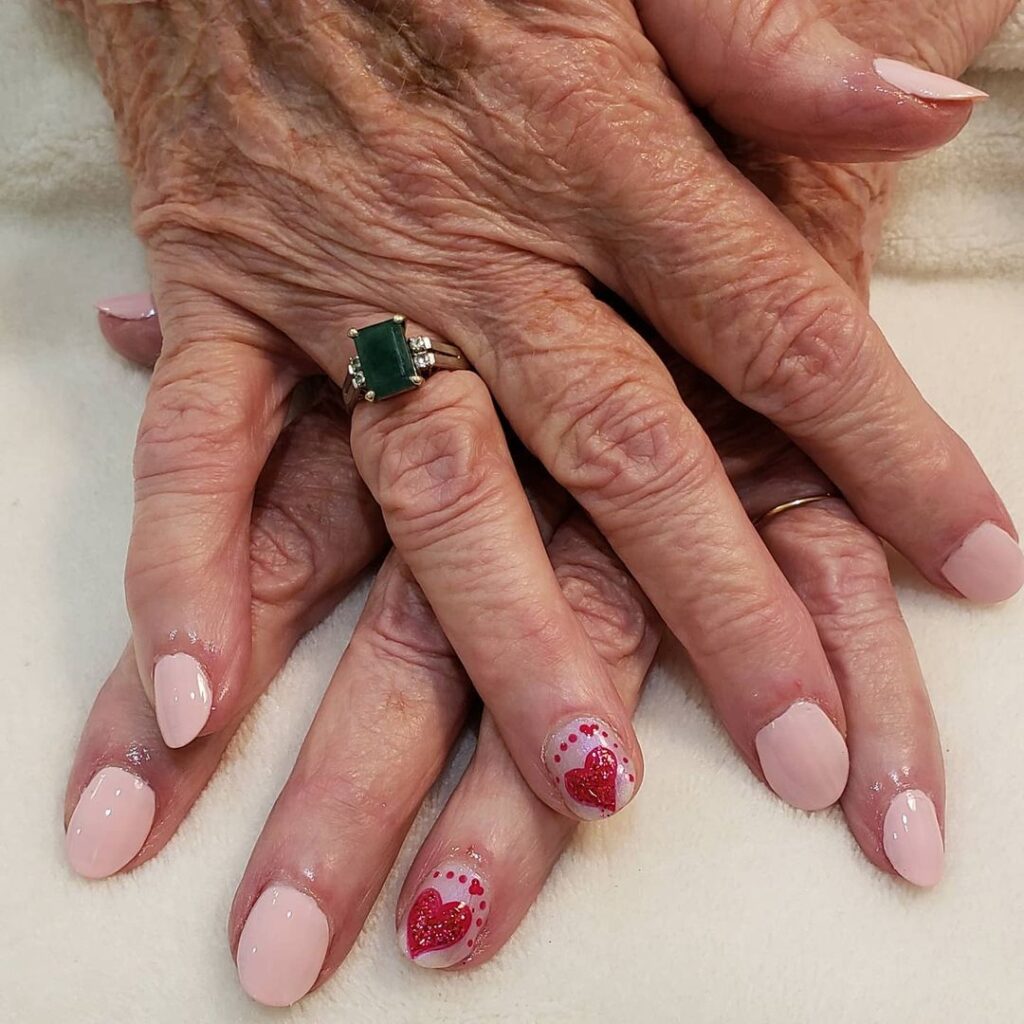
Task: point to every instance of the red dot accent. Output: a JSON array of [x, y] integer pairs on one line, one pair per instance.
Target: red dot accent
[[462, 879], [604, 734], [449, 874], [483, 904], [631, 779], [573, 737], [615, 745], [479, 921], [558, 757], [470, 943], [563, 746], [625, 760]]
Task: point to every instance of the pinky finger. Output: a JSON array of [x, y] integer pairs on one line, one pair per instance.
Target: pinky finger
[[490, 851], [895, 799]]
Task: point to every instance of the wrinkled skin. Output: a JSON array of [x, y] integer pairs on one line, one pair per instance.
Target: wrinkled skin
[[302, 166], [835, 564]]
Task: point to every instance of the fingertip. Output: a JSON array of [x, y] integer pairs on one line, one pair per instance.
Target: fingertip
[[923, 84], [182, 698], [110, 823], [595, 772], [444, 921], [912, 838], [804, 757], [282, 946], [987, 566], [131, 327]]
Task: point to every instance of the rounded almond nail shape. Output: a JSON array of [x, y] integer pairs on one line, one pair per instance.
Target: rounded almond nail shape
[[182, 697], [988, 567], [912, 839], [443, 924], [804, 757], [110, 823], [282, 946], [593, 771]]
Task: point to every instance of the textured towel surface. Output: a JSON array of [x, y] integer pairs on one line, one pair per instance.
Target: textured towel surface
[[708, 901]]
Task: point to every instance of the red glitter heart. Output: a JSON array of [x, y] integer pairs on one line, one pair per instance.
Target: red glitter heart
[[436, 925], [475, 888], [594, 783]]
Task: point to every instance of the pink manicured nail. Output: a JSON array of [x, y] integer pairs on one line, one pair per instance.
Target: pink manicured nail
[[912, 838], [282, 946], [182, 697], [444, 921], [926, 85], [987, 567], [128, 307], [110, 823], [804, 757], [593, 771]]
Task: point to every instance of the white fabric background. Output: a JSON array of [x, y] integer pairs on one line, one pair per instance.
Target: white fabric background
[[708, 901]]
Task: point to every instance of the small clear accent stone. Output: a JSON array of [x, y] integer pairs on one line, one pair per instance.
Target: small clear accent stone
[[420, 344], [358, 380], [423, 360]]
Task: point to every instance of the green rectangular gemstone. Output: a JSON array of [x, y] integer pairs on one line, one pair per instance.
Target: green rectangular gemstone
[[385, 359]]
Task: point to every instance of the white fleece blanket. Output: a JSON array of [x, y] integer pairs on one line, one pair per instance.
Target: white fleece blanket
[[708, 900]]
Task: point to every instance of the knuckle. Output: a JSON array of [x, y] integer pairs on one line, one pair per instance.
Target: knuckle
[[750, 622], [847, 584], [284, 551], [611, 608], [771, 26], [352, 801], [812, 350], [441, 469], [631, 445], [399, 627]]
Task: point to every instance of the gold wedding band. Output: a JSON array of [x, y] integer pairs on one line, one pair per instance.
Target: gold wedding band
[[787, 505]]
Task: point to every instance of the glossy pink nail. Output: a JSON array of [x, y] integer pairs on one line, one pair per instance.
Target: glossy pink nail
[[282, 946], [591, 767], [804, 757], [926, 85], [182, 697], [987, 567], [912, 838], [138, 306], [443, 924], [110, 823]]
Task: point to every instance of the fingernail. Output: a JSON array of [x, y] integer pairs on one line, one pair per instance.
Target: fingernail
[[138, 306], [804, 757], [987, 567], [182, 698], [110, 823], [926, 85], [282, 946], [912, 838], [444, 921], [591, 767]]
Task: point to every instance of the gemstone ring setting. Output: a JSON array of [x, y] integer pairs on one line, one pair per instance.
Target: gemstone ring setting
[[387, 363]]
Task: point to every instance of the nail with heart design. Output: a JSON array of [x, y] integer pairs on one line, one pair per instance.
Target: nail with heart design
[[447, 915], [595, 773]]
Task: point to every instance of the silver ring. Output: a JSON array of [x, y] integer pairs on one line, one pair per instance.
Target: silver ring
[[388, 364]]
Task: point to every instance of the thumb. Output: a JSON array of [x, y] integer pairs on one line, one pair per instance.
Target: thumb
[[779, 73]]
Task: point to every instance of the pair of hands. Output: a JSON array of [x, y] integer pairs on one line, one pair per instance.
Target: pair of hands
[[485, 193]]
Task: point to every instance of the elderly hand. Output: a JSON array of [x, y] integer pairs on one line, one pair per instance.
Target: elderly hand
[[399, 695], [294, 176]]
